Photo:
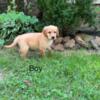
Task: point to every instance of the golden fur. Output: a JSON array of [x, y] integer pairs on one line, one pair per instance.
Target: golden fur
[[40, 41]]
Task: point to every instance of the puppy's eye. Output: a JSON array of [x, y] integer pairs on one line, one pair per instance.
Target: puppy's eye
[[49, 32]]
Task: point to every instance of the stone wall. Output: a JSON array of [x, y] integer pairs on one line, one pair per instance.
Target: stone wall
[[28, 6], [3, 5]]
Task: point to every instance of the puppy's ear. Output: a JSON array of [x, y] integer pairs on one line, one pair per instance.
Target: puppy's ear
[[44, 31]]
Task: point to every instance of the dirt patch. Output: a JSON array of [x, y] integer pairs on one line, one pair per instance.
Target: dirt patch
[[1, 75]]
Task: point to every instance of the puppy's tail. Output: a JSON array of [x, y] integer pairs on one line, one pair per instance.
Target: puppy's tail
[[13, 44]]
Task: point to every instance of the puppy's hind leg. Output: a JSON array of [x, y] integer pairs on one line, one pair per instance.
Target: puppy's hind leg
[[42, 52], [23, 51]]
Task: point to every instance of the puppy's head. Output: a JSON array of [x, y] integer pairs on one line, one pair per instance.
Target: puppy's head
[[51, 32]]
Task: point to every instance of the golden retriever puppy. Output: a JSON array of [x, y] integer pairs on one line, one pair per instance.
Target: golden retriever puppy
[[41, 41]]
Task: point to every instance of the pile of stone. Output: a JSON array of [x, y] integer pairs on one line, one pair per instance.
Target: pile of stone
[[79, 41]]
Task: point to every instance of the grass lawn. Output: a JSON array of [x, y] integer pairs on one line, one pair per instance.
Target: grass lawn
[[73, 75]]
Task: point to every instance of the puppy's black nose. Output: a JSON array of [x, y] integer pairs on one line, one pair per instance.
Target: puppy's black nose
[[53, 37]]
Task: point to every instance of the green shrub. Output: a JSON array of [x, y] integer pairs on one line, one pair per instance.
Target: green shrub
[[15, 23], [67, 15]]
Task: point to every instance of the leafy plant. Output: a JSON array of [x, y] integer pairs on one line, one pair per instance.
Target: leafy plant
[[12, 5], [66, 14], [15, 23]]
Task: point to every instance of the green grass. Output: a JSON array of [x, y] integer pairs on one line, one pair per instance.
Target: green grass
[[73, 75]]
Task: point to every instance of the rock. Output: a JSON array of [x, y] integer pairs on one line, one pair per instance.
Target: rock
[[80, 41], [86, 37], [86, 27], [77, 46], [66, 39], [69, 44], [52, 46], [97, 40], [94, 44], [59, 47], [27, 82], [58, 40]]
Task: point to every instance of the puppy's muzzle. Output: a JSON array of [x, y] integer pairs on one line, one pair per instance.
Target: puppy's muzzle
[[53, 38]]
